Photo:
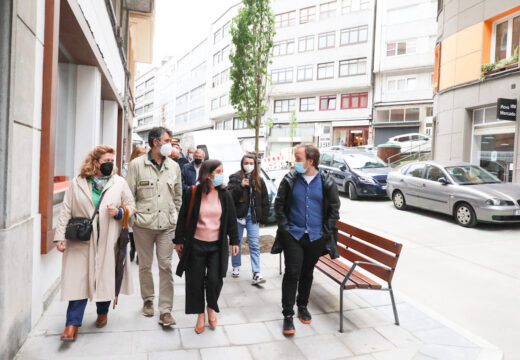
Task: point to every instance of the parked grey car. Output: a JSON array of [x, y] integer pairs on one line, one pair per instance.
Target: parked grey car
[[468, 192]]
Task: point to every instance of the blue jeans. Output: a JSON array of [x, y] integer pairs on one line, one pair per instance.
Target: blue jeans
[[253, 237], [76, 310]]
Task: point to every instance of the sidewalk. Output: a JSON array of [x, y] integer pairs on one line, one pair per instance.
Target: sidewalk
[[250, 328]]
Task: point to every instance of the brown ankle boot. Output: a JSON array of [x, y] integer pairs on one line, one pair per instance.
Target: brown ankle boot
[[70, 333], [101, 320]]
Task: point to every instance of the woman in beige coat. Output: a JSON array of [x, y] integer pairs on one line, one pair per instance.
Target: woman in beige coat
[[88, 267]]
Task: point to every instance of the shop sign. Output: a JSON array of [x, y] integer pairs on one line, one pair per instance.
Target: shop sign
[[506, 109]]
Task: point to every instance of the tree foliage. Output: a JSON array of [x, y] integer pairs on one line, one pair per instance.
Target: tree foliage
[[252, 36]]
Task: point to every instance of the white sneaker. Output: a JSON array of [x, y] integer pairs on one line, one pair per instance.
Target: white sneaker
[[257, 279], [236, 272]]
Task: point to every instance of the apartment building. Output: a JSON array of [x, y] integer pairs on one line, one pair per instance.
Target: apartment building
[[404, 46], [145, 114], [476, 71]]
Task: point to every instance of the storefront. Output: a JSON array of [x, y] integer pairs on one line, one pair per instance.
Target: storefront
[[392, 121], [350, 136]]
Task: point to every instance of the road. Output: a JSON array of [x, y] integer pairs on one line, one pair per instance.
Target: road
[[469, 276]]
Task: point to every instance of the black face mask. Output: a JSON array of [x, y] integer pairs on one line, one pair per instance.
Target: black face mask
[[107, 168], [198, 161]]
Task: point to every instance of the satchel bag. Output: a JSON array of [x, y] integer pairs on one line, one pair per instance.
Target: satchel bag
[[80, 229]]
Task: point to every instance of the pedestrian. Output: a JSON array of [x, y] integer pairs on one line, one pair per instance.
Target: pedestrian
[[88, 267], [190, 172], [176, 156], [190, 153], [307, 209], [252, 207], [138, 151], [206, 221], [155, 181]]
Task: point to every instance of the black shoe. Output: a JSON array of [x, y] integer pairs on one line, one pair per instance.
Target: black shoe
[[304, 315], [288, 326]]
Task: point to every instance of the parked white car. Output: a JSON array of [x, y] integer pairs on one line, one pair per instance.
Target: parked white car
[[413, 142]]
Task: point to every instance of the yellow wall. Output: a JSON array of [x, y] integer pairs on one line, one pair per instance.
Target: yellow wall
[[461, 56]]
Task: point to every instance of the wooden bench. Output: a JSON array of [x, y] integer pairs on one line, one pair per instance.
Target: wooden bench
[[370, 252]]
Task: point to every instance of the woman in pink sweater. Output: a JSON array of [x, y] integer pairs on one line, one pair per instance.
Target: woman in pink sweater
[[206, 221]]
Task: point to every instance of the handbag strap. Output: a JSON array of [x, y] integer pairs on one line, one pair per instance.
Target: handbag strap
[[97, 207], [190, 208]]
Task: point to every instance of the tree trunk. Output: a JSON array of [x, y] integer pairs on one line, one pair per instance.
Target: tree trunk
[[257, 135]]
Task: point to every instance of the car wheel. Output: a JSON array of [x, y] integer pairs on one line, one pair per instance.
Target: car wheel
[[352, 194], [399, 201], [465, 215]]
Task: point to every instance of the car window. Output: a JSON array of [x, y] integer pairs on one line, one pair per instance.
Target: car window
[[425, 138], [326, 159], [433, 173], [415, 170], [471, 175], [403, 139], [416, 138], [337, 161]]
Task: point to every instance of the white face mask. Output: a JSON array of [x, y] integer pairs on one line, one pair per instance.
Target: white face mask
[[190, 156], [249, 168], [166, 149]]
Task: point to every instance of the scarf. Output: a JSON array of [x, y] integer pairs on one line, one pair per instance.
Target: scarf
[[99, 182]]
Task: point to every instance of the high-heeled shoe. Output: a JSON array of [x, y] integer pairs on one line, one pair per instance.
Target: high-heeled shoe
[[201, 329], [212, 322]]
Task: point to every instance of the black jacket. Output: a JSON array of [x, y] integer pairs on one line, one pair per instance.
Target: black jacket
[[181, 161], [228, 228], [188, 175], [331, 205], [260, 211]]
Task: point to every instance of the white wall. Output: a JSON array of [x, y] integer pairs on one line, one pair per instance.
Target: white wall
[[109, 134]]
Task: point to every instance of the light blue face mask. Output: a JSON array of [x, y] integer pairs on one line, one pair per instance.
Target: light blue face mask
[[298, 166], [218, 180]]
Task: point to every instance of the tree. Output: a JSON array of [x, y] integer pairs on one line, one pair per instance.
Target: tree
[[293, 124], [252, 36]]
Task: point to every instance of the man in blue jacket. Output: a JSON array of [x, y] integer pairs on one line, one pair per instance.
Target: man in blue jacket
[[190, 172]]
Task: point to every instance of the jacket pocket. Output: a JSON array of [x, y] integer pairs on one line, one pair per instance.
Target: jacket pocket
[[145, 189]]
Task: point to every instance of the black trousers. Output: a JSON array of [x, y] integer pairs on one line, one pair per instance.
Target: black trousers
[[203, 273], [300, 258]]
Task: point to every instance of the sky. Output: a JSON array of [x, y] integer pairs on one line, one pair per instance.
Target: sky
[[182, 24]]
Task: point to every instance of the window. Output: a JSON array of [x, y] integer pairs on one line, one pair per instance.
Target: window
[[328, 102], [150, 82], [327, 40], [146, 121], [326, 71], [228, 124], [307, 104], [226, 29], [352, 67], [397, 115], [400, 47], [224, 76], [282, 76], [140, 87], [285, 20], [433, 173], [354, 101], [328, 10], [412, 114], [284, 106], [305, 73], [402, 83], [216, 58], [217, 36], [219, 125], [415, 170], [239, 124], [139, 99], [138, 111], [148, 95], [348, 6], [216, 80], [306, 43], [354, 35], [225, 53], [285, 47], [429, 111], [224, 100], [326, 159], [506, 38], [307, 15], [214, 104]]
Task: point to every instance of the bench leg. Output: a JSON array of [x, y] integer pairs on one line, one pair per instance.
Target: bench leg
[[393, 303], [341, 309]]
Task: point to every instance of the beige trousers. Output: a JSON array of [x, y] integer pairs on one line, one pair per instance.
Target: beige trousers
[[145, 240]]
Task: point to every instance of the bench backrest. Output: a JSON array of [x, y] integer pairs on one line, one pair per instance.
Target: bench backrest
[[355, 244]]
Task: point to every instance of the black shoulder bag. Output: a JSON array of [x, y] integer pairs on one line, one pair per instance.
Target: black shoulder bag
[[80, 229]]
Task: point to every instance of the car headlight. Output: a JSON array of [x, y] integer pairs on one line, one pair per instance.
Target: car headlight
[[498, 202], [366, 180]]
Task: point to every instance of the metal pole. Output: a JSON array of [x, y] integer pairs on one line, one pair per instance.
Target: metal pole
[[396, 317], [341, 309]]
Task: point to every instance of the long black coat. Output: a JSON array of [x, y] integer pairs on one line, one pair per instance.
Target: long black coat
[[331, 205], [228, 228], [261, 200]]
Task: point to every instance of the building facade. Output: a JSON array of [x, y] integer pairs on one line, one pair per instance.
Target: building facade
[[64, 88], [146, 114], [477, 64], [403, 68]]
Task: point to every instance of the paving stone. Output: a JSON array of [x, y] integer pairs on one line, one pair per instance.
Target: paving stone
[[365, 341], [398, 354], [166, 339], [276, 329], [443, 336], [244, 334], [231, 316], [209, 338], [447, 352], [398, 336], [263, 313], [243, 300], [226, 353], [322, 347], [410, 318], [329, 323], [276, 350], [177, 355], [366, 318]]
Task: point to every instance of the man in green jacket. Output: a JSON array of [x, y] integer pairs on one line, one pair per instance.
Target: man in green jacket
[[155, 181]]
